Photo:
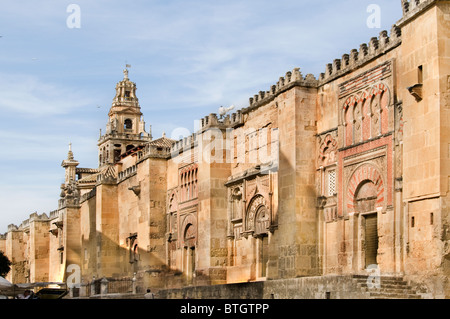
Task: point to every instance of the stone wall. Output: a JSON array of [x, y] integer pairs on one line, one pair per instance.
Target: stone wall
[[39, 249], [286, 190], [17, 252], [331, 286], [423, 79]]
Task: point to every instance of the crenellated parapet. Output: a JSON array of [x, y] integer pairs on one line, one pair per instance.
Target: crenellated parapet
[[412, 7], [36, 217], [231, 121], [130, 171], [25, 224], [54, 214], [12, 227], [409, 6], [367, 52], [291, 79], [185, 143], [212, 121]]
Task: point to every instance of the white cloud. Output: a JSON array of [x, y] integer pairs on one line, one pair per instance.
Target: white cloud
[[28, 94], [18, 203]]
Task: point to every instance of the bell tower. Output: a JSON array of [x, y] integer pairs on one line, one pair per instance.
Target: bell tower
[[126, 127]]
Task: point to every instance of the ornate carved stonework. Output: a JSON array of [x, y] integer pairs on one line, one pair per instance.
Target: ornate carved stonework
[[172, 216], [367, 172], [365, 140], [250, 204], [328, 150], [236, 203], [257, 203], [262, 221]]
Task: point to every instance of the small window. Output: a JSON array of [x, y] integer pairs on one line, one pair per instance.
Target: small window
[[420, 74], [117, 155], [128, 124], [412, 222], [431, 218], [127, 93]]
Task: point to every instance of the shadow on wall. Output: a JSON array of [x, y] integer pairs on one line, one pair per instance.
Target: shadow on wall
[[125, 266]]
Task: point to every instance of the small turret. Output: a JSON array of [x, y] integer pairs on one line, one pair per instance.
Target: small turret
[[70, 166]]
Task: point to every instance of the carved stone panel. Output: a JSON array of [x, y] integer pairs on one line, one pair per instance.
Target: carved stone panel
[[262, 221], [327, 150], [236, 202], [257, 185], [366, 101], [250, 204]]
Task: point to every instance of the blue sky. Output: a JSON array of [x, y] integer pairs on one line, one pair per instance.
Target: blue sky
[[187, 57]]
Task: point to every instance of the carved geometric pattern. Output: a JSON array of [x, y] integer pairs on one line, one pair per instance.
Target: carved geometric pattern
[[332, 183]]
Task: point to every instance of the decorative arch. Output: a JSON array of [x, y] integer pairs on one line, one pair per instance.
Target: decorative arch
[[381, 89], [358, 116], [257, 216], [188, 182], [327, 150], [365, 113], [189, 231], [366, 173], [262, 221]]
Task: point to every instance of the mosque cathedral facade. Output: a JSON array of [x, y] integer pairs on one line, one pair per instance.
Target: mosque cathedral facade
[[319, 181]]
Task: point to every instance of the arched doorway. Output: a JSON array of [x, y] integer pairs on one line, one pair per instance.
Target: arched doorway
[[257, 224], [262, 222], [366, 197], [189, 240], [365, 204]]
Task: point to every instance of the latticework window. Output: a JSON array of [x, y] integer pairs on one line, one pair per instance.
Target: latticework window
[[331, 183]]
